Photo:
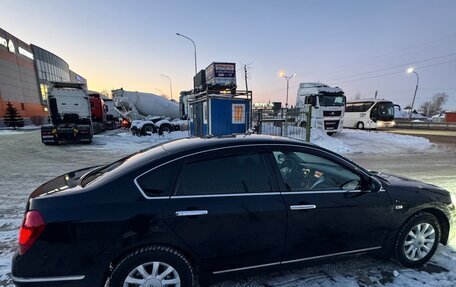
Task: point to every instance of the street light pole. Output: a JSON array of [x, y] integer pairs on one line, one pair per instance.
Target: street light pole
[[161, 92], [412, 70], [194, 45], [170, 85], [288, 85]]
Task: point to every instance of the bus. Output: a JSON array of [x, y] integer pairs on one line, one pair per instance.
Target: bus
[[369, 114], [328, 105]]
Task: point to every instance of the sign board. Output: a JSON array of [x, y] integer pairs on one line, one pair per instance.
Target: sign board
[[11, 47], [223, 74], [26, 53], [3, 42]]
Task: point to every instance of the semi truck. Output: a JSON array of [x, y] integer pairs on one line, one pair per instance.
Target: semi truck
[[327, 104], [70, 115]]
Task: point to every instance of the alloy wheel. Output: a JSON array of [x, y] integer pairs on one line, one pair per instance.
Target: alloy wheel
[[419, 241], [153, 274]]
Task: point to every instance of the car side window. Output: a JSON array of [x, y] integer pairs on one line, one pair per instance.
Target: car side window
[[159, 181], [308, 172], [231, 174]]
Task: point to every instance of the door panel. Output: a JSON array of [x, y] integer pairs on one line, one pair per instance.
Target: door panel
[[327, 212], [340, 222], [240, 215], [237, 231]]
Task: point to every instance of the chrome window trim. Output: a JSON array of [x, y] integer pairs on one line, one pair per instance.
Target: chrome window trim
[[322, 191], [47, 279], [224, 195], [299, 260], [135, 180]]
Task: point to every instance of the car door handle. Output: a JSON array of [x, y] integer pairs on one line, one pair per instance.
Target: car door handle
[[302, 207], [191, 212]]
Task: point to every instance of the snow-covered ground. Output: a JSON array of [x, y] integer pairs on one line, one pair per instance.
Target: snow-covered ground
[[26, 163]]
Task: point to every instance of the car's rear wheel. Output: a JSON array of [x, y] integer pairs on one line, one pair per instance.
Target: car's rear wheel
[[153, 266], [360, 125], [418, 240]]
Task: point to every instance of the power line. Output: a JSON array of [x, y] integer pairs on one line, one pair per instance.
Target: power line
[[393, 67], [398, 72], [410, 50]]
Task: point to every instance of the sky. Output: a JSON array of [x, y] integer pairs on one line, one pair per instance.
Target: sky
[[359, 46]]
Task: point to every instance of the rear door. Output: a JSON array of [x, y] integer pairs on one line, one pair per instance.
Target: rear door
[[228, 210], [329, 211]]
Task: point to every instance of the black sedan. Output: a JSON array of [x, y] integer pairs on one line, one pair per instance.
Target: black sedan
[[195, 208]]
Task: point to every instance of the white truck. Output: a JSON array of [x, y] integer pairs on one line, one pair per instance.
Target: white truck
[[328, 106], [69, 115]]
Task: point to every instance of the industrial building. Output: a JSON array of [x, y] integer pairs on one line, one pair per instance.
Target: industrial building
[[25, 75]]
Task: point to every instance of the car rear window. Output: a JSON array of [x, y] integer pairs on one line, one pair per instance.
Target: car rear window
[[159, 181]]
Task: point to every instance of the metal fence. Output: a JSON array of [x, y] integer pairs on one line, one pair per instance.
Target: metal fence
[[293, 123]]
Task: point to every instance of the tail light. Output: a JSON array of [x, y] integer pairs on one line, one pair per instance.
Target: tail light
[[31, 229]]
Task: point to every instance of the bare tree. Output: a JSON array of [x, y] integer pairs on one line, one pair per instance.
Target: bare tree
[[357, 96], [435, 105]]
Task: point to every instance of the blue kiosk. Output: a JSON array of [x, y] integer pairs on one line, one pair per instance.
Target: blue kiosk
[[220, 114]]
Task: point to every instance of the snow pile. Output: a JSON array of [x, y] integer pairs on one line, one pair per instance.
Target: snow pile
[[354, 141], [332, 143], [381, 142], [125, 141]]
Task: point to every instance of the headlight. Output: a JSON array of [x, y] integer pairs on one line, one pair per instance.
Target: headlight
[[393, 123], [453, 198]]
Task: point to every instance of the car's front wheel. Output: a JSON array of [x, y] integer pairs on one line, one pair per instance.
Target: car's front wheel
[[153, 266], [417, 240]]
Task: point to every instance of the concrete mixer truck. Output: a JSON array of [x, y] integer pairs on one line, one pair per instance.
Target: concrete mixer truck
[[148, 113]]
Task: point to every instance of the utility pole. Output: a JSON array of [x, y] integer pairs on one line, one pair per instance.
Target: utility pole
[[247, 94], [245, 75], [376, 92]]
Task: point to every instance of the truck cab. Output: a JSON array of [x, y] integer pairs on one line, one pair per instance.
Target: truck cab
[[70, 115], [328, 105]]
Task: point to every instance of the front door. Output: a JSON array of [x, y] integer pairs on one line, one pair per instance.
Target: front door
[[228, 210], [329, 212]]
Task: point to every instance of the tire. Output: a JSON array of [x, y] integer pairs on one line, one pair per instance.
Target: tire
[[165, 129], [148, 130], [330, 134], [150, 257], [418, 252], [360, 125]]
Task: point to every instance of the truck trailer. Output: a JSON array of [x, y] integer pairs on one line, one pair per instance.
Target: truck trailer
[[70, 115]]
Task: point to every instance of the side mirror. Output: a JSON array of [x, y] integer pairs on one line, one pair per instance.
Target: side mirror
[[375, 185]]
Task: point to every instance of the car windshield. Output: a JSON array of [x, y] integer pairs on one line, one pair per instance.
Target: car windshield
[[331, 100]]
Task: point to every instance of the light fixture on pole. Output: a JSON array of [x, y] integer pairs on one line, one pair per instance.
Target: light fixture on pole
[[409, 71], [170, 85], [194, 45], [282, 74], [161, 92]]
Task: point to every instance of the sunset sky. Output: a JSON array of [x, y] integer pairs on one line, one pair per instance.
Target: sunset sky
[[360, 46]]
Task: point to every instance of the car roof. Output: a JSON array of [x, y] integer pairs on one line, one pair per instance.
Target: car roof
[[192, 144]]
